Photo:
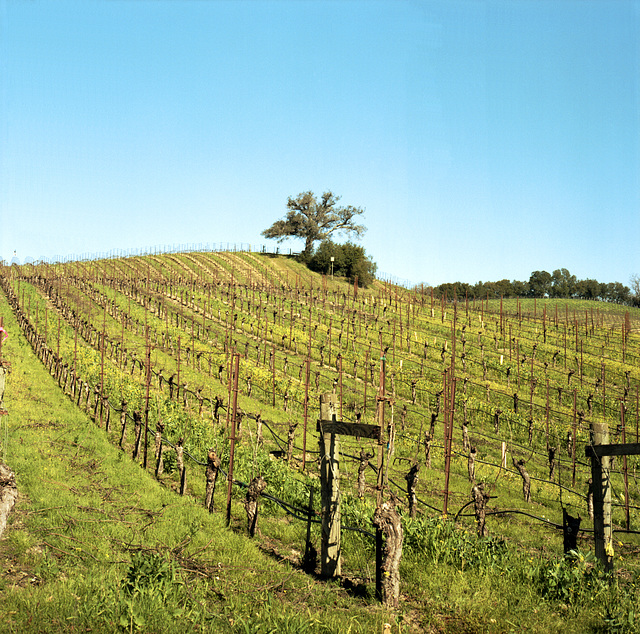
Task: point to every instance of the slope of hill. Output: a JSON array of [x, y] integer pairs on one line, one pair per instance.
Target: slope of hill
[[464, 393]]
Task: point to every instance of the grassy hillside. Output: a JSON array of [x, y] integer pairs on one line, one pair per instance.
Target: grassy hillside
[[496, 382], [96, 544]]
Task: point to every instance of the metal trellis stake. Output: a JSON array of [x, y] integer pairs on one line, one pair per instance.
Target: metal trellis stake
[[236, 372]]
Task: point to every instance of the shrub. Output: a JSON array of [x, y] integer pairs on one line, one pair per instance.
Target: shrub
[[350, 261]]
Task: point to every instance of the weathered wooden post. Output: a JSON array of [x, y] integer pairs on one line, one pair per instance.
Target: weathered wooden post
[[4, 369], [146, 400], [600, 467], [329, 428], [329, 490], [380, 482]]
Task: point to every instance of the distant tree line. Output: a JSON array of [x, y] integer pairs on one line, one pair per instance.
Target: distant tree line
[[559, 284]]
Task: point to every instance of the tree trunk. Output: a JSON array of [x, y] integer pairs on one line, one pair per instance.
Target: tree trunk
[[526, 482], [412, 482], [552, 461], [123, 422], [8, 494], [181, 468], [480, 502], [386, 518], [471, 464], [137, 426], [308, 245], [158, 447], [213, 465], [257, 486], [290, 439], [571, 527]]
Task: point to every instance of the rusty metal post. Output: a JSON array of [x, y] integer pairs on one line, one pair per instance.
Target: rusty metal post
[[236, 358], [575, 433], [306, 414], [178, 377], [624, 466], [340, 375], [273, 373], [449, 394], [380, 479], [146, 399], [366, 366], [447, 434]]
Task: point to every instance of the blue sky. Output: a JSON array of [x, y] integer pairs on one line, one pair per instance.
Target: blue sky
[[485, 139]]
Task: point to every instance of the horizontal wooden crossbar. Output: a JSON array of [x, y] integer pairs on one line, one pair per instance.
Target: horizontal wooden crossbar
[[348, 429], [628, 449]]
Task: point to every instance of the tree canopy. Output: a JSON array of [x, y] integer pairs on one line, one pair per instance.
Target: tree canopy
[[314, 219]]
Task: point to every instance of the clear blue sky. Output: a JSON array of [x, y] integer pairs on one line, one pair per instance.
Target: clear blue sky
[[485, 139]]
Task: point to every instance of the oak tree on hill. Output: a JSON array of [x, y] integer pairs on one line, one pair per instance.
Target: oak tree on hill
[[314, 219]]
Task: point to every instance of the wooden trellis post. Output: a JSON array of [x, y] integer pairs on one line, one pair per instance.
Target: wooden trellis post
[[600, 453], [329, 429], [601, 494], [329, 489], [381, 479]]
